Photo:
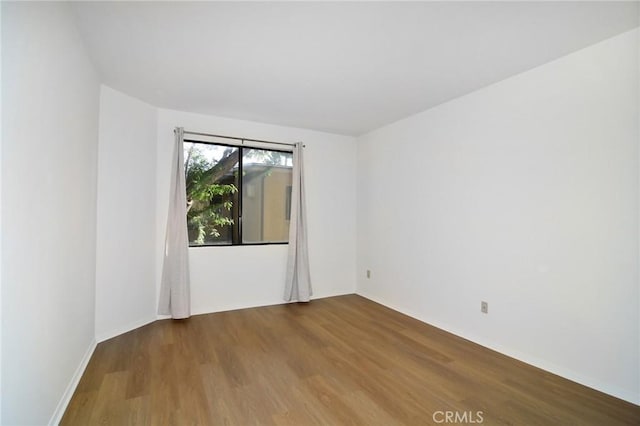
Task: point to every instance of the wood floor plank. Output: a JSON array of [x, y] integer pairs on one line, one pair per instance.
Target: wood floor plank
[[335, 361]]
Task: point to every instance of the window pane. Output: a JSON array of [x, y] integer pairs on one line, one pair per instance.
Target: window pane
[[266, 195], [211, 173]]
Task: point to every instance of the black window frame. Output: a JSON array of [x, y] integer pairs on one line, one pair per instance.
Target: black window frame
[[240, 189]]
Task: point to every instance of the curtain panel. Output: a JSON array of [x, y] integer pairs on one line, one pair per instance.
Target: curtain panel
[[298, 277], [175, 299]]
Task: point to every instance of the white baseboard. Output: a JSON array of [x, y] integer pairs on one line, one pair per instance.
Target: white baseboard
[[526, 358], [124, 329], [71, 387], [253, 304]]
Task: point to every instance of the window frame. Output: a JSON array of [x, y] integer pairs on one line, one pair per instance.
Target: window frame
[[240, 147]]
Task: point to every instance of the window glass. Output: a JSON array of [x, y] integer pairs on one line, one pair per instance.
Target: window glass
[[237, 195], [266, 198], [211, 173]]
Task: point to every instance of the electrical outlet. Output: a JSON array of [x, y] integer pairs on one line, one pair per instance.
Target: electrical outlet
[[484, 307], [368, 273]]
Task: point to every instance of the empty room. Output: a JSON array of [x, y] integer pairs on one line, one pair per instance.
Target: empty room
[[320, 213]]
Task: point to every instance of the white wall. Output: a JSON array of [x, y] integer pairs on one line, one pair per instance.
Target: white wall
[[523, 194], [125, 254], [50, 135], [1, 134], [224, 278]]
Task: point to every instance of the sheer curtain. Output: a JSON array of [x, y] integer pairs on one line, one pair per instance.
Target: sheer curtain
[[298, 278], [174, 287]]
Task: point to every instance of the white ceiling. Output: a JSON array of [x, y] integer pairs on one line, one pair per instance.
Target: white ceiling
[[346, 68]]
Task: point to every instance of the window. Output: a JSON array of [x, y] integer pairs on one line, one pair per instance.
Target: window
[[237, 195]]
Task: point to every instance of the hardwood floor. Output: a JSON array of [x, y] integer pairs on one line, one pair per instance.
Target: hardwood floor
[[334, 361]]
